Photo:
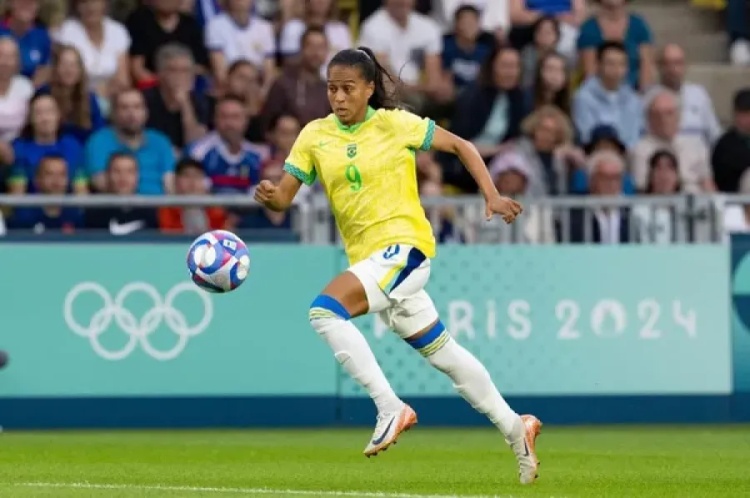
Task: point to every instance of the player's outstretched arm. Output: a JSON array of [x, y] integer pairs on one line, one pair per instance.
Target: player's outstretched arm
[[278, 197], [467, 153]]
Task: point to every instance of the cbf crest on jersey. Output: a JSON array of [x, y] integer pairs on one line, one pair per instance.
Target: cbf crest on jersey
[[351, 151]]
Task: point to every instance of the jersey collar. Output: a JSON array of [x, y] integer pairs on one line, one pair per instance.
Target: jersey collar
[[355, 126]]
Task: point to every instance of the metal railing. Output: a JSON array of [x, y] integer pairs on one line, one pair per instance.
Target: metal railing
[[680, 219]]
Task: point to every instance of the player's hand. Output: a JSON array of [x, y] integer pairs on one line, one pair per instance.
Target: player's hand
[[506, 207], [264, 192]]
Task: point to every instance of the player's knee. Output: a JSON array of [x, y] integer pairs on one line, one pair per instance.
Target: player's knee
[[325, 309], [430, 340]]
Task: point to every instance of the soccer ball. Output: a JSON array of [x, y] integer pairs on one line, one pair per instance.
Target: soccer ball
[[218, 261]]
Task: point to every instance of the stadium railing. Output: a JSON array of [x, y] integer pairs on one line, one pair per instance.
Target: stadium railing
[[680, 219]]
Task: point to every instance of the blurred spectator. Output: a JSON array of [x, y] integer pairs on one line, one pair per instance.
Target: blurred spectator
[[318, 13], [449, 227], [737, 216], [614, 22], [243, 82], [663, 134], [494, 15], [262, 217], [602, 225], [731, 155], [513, 176], [173, 107], [205, 10], [43, 136], [606, 98], [568, 13], [603, 138], [102, 43], [52, 13], [51, 178], [190, 179], [738, 27], [121, 9], [15, 92], [282, 134], [128, 133], [551, 84], [236, 34], [488, 113], [121, 179], [159, 23], [70, 89], [656, 224], [465, 49], [409, 44], [546, 149], [300, 90], [33, 39], [545, 34], [428, 169], [232, 163], [698, 117]]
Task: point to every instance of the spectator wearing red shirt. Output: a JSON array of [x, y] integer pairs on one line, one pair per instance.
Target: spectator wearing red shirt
[[191, 179]]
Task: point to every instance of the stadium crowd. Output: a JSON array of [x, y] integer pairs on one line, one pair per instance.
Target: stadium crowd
[[152, 97]]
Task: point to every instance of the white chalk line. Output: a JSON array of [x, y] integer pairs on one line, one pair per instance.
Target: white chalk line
[[237, 491]]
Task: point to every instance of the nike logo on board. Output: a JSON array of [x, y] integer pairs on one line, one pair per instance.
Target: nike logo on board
[[116, 228]]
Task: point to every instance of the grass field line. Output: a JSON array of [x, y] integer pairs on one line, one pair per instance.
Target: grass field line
[[238, 491]]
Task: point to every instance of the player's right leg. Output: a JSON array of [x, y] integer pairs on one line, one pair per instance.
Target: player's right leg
[[416, 321], [330, 315]]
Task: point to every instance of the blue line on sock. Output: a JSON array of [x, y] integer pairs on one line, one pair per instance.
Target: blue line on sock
[[332, 305], [429, 337]]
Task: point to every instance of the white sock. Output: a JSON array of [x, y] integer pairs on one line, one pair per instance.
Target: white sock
[[471, 379], [353, 353]]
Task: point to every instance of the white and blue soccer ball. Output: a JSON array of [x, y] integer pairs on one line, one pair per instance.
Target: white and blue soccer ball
[[218, 261]]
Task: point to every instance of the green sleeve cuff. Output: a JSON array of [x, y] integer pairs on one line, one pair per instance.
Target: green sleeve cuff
[[428, 136], [306, 178]]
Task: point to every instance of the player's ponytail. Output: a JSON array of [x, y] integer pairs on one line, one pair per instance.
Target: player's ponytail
[[385, 95]]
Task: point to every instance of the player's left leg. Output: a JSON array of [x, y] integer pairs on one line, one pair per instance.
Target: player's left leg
[[416, 321]]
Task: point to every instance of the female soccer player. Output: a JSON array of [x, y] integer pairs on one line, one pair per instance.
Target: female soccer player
[[363, 155]]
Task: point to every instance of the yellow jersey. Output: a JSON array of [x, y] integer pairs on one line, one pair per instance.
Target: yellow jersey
[[369, 173]]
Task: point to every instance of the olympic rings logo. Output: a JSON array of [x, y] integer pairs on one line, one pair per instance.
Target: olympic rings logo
[[138, 331]]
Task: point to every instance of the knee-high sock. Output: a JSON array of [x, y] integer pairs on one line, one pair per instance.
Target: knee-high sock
[[470, 378], [331, 320]]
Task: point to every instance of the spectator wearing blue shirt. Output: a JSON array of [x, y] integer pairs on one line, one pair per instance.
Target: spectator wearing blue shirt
[[608, 99], [614, 17], [603, 138], [70, 89], [466, 48], [33, 39], [232, 163], [51, 178], [281, 135], [128, 134], [42, 136], [569, 15]]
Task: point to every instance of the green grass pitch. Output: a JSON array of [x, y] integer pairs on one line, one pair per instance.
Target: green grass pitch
[[576, 462]]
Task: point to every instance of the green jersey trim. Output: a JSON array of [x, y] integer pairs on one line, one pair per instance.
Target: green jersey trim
[[306, 178], [428, 136], [354, 127]]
